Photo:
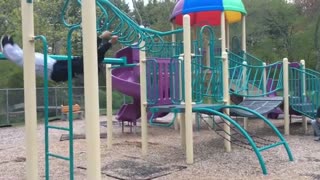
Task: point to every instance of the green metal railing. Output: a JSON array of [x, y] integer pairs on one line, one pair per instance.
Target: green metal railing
[[251, 60], [206, 81], [304, 87], [166, 50], [252, 80]]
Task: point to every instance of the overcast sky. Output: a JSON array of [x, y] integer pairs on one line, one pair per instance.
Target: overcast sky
[[130, 3]]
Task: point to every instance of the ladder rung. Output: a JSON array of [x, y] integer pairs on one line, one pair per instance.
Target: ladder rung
[[58, 156], [58, 128], [271, 146]]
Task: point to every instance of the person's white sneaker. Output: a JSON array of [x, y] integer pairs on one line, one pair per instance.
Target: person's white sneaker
[[1, 46], [5, 40]]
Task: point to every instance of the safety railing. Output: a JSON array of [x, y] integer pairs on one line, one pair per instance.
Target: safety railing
[[304, 86], [250, 80], [251, 60]]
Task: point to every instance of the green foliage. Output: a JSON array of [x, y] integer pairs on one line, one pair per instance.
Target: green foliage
[[117, 99], [275, 29]]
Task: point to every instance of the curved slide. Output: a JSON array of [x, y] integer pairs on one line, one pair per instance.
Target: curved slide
[[126, 80]]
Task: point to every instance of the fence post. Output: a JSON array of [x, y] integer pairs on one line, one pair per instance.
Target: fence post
[[7, 104], [56, 100]]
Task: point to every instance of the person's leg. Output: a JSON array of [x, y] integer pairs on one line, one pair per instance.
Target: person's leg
[[316, 127], [60, 68], [11, 50], [77, 63], [60, 71], [103, 47], [102, 51]]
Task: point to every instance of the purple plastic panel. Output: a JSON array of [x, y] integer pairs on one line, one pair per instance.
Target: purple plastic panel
[[164, 81], [159, 78], [129, 112], [271, 86], [132, 54], [126, 81]]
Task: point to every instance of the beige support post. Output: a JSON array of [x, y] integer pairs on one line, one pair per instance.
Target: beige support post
[[244, 49], [244, 34], [174, 40], [225, 69], [109, 106], [264, 73], [188, 91], [244, 82], [227, 36], [143, 100], [304, 118], [183, 130], [264, 78], [91, 89], [286, 96], [29, 91]]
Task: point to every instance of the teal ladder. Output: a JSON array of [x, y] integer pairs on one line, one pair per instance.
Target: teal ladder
[[69, 129]]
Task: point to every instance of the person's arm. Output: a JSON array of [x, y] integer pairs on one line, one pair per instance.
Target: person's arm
[[105, 47]]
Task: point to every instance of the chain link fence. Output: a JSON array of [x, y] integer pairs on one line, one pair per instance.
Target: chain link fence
[[12, 102]]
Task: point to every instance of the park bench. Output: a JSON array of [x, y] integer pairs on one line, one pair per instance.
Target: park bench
[[76, 109]]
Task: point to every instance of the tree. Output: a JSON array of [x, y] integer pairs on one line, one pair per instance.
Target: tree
[[310, 8], [274, 27]]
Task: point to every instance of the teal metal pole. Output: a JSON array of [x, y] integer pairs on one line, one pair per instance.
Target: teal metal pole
[[46, 103], [70, 100]]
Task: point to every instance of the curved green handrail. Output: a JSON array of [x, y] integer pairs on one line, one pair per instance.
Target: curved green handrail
[[63, 13], [243, 132], [265, 120], [211, 40], [104, 15]]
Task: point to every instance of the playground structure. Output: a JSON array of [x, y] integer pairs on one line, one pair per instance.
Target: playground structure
[[180, 79]]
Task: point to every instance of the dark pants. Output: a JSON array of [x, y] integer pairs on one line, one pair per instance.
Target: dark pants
[[60, 68]]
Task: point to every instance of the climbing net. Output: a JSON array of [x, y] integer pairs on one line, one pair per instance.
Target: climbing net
[[236, 137]]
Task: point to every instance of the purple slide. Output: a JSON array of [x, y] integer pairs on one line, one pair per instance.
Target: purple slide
[[126, 81]]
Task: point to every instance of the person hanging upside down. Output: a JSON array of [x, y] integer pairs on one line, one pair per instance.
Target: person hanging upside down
[[57, 70]]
